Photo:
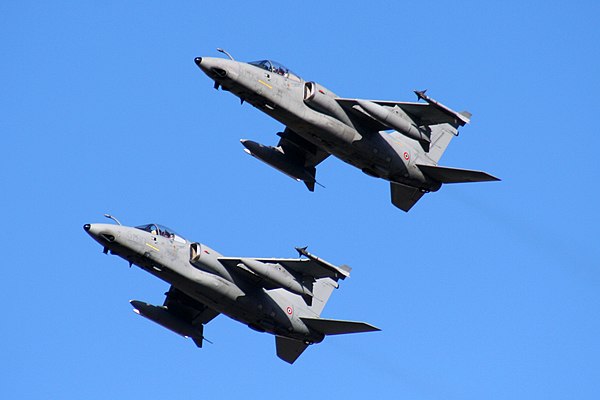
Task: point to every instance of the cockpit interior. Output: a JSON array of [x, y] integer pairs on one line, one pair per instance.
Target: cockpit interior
[[161, 230], [274, 66]]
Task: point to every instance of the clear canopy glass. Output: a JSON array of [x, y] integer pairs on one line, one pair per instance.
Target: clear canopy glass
[[274, 66], [157, 229]]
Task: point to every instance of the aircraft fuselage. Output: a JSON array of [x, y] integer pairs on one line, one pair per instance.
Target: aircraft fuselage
[[207, 280], [321, 121]]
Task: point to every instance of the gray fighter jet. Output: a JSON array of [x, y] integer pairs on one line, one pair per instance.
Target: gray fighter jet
[[401, 142], [281, 296]]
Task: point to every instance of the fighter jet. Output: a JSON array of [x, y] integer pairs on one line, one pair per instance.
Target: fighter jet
[[281, 296], [400, 142]]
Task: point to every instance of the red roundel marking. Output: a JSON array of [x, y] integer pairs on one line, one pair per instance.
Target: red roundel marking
[[406, 156], [289, 310]]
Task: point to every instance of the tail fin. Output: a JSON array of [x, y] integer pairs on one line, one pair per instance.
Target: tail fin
[[324, 281], [441, 136], [404, 197], [322, 290], [289, 349]]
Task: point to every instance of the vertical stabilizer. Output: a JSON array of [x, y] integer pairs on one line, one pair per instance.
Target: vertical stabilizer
[[322, 290], [325, 280], [441, 136], [289, 349], [404, 197]]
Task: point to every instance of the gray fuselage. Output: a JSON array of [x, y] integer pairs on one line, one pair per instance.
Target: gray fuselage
[[276, 311], [310, 110]]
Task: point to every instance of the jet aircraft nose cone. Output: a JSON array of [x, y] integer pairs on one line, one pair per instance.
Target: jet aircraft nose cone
[[198, 60], [87, 227]]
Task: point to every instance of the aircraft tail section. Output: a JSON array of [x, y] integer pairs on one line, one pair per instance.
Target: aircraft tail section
[[325, 281], [455, 175], [322, 290], [441, 136], [289, 349], [337, 327], [403, 196]]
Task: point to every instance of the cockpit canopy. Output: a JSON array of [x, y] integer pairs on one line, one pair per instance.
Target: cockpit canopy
[[274, 66], [161, 230]]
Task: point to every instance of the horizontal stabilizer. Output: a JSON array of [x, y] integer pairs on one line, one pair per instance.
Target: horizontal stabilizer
[[404, 197], [337, 327], [289, 349], [455, 175]]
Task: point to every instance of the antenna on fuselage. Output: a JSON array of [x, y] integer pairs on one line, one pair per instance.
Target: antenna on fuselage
[[220, 50], [113, 218]]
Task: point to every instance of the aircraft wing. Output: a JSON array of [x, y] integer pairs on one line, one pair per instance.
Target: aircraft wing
[[421, 113], [180, 313], [313, 267], [294, 156], [187, 308], [235, 264], [307, 154]]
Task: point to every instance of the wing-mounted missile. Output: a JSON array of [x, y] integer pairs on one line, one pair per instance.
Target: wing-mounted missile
[[397, 119], [278, 276], [164, 318], [320, 99], [341, 272], [278, 159], [461, 118]]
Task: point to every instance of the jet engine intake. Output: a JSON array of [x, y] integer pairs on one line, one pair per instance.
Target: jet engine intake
[[320, 99], [195, 253]]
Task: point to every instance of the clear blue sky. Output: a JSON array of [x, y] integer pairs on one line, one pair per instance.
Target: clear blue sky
[[483, 291]]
